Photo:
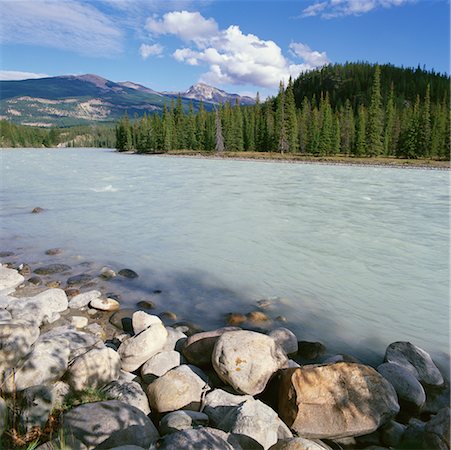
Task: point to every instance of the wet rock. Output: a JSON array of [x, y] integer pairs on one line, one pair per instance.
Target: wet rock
[[36, 406], [24, 269], [159, 364], [410, 392], [342, 358], [146, 304], [286, 339], [299, 443], [188, 328], [120, 424], [182, 420], [140, 348], [52, 269], [218, 404], [105, 304], [336, 400], [169, 315], [127, 273], [37, 210], [247, 360], [46, 363], [310, 350], [253, 423], [416, 361], [107, 273], [257, 316], [438, 430], [53, 251], [391, 433], [9, 279], [198, 439], [436, 399], [82, 278], [53, 284], [71, 292], [123, 319], [6, 254], [81, 300], [179, 388], [198, 348], [236, 319], [64, 442], [280, 319], [175, 341], [35, 280], [97, 330], [141, 321], [129, 392]]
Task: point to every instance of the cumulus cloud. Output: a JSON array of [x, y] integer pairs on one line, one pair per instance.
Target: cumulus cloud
[[339, 8], [17, 75], [232, 57], [65, 24], [147, 50]]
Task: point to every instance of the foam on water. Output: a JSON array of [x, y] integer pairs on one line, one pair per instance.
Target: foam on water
[[357, 257]]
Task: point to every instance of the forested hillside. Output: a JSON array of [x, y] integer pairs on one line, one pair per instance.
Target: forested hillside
[[353, 109]]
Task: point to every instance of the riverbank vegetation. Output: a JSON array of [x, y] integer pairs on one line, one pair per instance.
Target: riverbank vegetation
[[357, 110]]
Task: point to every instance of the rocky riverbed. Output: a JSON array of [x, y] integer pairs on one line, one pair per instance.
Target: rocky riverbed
[[142, 384]]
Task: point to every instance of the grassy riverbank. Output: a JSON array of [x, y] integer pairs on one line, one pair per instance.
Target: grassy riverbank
[[293, 157]]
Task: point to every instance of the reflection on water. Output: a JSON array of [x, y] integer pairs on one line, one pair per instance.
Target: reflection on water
[[357, 257]]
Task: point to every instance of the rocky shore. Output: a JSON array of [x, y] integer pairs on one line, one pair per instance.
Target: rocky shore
[[78, 372]]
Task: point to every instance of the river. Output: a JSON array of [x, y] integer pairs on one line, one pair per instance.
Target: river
[[355, 257]]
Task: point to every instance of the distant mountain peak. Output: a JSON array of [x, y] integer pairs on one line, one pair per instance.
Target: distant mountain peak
[[97, 80]]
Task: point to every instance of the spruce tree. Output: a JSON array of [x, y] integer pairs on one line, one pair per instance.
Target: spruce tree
[[360, 141], [425, 125], [291, 118], [219, 145], [389, 141], [281, 122], [375, 117]]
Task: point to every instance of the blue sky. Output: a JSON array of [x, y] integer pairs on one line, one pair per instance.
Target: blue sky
[[240, 46]]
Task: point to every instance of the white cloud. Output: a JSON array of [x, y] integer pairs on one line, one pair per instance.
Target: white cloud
[[339, 8], [17, 75], [232, 57], [150, 50], [64, 24]]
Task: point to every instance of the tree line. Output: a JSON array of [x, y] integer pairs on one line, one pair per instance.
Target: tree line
[[375, 121]]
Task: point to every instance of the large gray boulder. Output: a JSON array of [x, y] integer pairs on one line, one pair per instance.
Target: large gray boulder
[[218, 404], [46, 363], [182, 420], [299, 443], [36, 406], [109, 424], [175, 341], [198, 348], [83, 299], [94, 369], [134, 352], [9, 279], [182, 387], [129, 392], [255, 425], [286, 339], [197, 439], [335, 400], [40, 309], [159, 364], [438, 429], [416, 361], [409, 389], [141, 321], [246, 360]]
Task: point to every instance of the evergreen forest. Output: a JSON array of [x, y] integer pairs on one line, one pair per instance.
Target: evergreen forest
[[352, 109]]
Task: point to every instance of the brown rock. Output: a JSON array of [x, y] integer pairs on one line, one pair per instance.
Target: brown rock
[[37, 210], [71, 292], [310, 350], [53, 284], [236, 319], [169, 315], [257, 316], [53, 251], [335, 400]]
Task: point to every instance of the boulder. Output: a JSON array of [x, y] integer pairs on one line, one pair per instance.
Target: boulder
[[255, 425], [83, 299], [122, 319], [42, 308], [286, 339], [5, 315], [37, 210], [410, 392], [140, 348], [391, 433], [218, 404], [310, 350], [416, 361], [182, 420], [95, 368], [438, 429], [175, 341], [63, 442], [141, 321], [52, 269], [198, 348], [9, 279], [105, 304], [79, 321], [182, 387], [197, 439], [335, 400], [299, 443], [159, 364], [36, 406], [129, 392], [109, 424], [46, 363], [246, 360]]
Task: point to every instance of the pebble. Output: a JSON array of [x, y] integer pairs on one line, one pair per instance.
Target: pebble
[[127, 273], [257, 316], [105, 304], [37, 210], [79, 321], [79, 279], [53, 251], [145, 304], [52, 269], [236, 319]]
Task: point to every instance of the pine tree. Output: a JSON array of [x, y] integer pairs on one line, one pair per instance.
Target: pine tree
[[304, 124], [281, 122], [291, 118], [327, 131], [425, 125], [191, 138], [389, 141], [168, 130], [219, 146], [375, 117], [360, 144], [347, 128], [336, 140]]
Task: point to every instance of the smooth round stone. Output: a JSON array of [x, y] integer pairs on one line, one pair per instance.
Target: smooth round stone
[[105, 304], [182, 420], [299, 443], [37, 210], [6, 254], [141, 320], [83, 299], [257, 316], [53, 251], [123, 319], [71, 292], [79, 279], [159, 364], [127, 273], [286, 339], [79, 321], [145, 304], [53, 284], [107, 273], [169, 315], [35, 280], [310, 350], [236, 319], [52, 269], [24, 269]]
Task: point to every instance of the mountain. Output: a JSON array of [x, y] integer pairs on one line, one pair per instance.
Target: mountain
[[210, 94], [83, 99]]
